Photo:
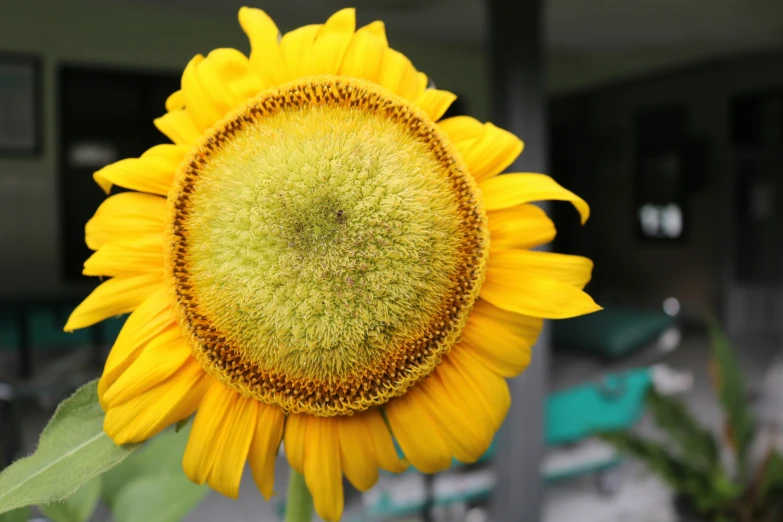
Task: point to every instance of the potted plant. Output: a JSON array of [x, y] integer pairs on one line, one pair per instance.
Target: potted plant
[[713, 476]]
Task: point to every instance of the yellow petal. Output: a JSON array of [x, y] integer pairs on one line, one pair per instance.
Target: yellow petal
[[357, 457], [203, 449], [297, 49], [153, 172], [463, 131], [265, 56], [204, 110], [235, 436], [418, 434], [492, 153], [117, 296], [148, 414], [295, 440], [510, 190], [484, 384], [161, 358], [151, 318], [178, 126], [126, 216], [464, 423], [220, 439], [127, 257], [435, 102], [263, 448], [364, 56], [522, 226], [500, 339], [535, 295], [424, 82], [322, 467], [399, 76], [574, 270], [228, 79], [176, 100], [488, 150], [332, 42], [383, 446]]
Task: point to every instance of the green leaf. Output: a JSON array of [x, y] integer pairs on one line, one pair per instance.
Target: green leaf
[[697, 445], [17, 515], [299, 501], [771, 486], [731, 390], [655, 456], [679, 474], [79, 507], [162, 498], [160, 455], [73, 449]]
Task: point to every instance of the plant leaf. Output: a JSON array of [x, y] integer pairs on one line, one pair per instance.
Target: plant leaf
[[79, 507], [159, 455], [162, 498], [729, 383], [21, 514], [697, 444], [655, 456], [72, 449], [771, 486], [683, 478]]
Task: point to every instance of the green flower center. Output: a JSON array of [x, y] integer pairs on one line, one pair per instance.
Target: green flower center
[[327, 246]]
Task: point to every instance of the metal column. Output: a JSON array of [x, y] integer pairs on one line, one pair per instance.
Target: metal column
[[516, 57]]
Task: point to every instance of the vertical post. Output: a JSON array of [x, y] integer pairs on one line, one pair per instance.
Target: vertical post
[[516, 56]]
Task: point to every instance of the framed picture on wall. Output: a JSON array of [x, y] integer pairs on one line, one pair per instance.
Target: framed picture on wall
[[20, 105]]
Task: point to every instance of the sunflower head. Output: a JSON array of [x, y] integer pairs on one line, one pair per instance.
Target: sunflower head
[[320, 258], [330, 270]]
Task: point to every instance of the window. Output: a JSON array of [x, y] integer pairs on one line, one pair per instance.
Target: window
[[660, 195], [105, 115], [670, 164]]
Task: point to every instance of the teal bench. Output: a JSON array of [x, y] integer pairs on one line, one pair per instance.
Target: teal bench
[[37, 325], [612, 332]]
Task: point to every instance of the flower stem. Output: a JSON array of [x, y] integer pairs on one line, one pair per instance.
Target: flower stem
[[299, 503]]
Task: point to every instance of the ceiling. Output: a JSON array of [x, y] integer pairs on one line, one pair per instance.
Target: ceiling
[[572, 25], [643, 33]]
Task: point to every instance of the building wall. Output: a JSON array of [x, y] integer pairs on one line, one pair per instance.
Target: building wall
[[627, 269], [127, 36], [164, 38]]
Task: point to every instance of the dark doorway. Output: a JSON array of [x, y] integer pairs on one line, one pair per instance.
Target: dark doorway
[[754, 270], [105, 115]]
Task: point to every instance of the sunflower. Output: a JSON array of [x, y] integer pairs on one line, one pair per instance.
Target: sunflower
[[319, 259]]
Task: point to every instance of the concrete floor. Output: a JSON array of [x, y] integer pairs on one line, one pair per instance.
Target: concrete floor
[[641, 498]]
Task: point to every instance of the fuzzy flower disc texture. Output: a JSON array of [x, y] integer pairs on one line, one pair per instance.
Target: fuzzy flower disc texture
[[327, 246]]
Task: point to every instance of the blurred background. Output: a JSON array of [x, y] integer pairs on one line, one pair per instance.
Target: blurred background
[[665, 115]]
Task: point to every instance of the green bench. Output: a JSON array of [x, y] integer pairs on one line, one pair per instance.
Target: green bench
[[613, 332]]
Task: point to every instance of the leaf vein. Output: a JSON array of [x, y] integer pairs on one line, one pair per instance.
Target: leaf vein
[[53, 463]]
